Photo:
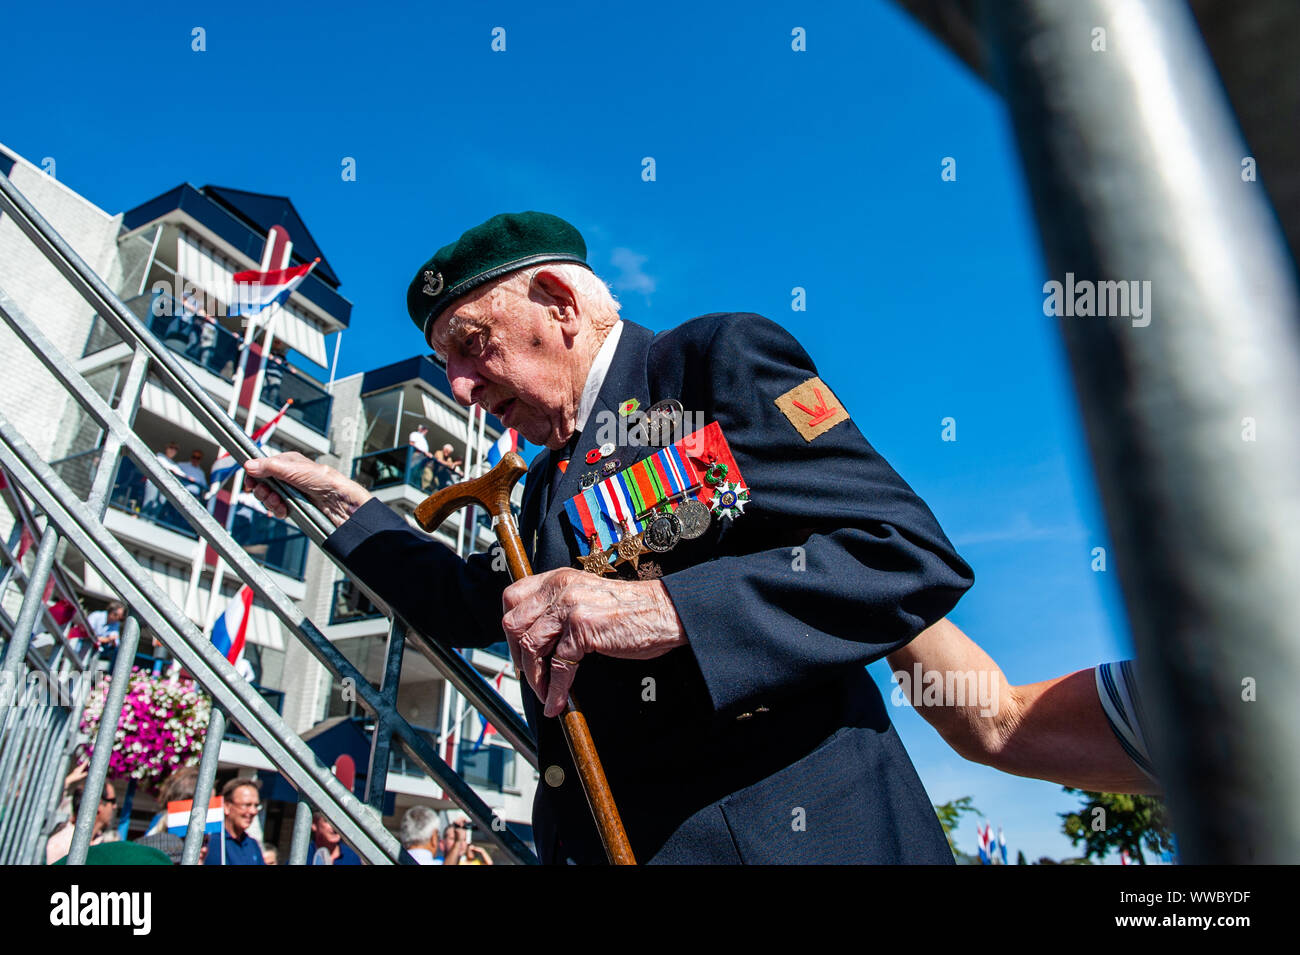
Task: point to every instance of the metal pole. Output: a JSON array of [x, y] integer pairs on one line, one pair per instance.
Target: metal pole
[[381, 740], [33, 603], [85, 680], [195, 828], [1134, 160], [46, 777], [23, 742], [301, 834], [105, 737], [334, 366], [21, 813]]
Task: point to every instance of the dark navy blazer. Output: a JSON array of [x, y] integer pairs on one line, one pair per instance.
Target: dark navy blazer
[[765, 740]]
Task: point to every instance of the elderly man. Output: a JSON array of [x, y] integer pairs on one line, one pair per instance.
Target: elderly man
[[419, 834], [739, 584]]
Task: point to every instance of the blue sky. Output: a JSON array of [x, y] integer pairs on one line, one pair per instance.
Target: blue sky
[[774, 169]]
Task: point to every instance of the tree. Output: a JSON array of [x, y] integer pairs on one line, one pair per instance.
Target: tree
[[1109, 822], [950, 814]]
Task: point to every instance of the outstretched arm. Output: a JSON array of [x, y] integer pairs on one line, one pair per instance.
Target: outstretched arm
[[1054, 730]]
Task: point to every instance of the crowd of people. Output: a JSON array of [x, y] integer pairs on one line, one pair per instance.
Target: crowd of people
[[427, 834]]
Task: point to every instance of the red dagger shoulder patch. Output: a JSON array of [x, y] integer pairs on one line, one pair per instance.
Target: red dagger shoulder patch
[[812, 408]]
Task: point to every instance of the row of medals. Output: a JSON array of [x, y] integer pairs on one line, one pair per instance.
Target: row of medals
[[690, 519]]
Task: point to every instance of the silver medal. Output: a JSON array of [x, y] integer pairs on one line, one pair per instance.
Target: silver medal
[[694, 518], [663, 532]]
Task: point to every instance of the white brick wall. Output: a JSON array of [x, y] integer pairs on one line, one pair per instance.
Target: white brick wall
[[30, 397]]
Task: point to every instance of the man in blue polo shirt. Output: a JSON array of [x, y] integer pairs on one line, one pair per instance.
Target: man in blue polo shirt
[[327, 846], [243, 801]]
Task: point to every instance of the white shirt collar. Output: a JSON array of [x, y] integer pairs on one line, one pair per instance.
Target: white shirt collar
[[596, 377]]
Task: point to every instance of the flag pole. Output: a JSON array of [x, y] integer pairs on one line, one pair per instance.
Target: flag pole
[[250, 425], [232, 406]]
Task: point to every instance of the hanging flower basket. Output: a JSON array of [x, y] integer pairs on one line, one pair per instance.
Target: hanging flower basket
[[161, 730]]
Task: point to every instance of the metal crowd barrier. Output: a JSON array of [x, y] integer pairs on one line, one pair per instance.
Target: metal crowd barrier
[[80, 523]]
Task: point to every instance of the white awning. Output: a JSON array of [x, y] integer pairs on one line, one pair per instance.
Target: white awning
[[203, 267], [450, 421], [301, 335], [168, 407], [435, 412]]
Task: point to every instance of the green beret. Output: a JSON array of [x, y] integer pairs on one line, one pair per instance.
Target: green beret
[[510, 241]]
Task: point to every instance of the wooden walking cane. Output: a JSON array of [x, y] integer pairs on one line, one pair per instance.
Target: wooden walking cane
[[492, 491]]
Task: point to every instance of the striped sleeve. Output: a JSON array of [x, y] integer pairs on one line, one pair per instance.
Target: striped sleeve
[[1117, 689]]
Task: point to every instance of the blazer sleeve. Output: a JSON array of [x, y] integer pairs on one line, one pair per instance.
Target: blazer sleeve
[[457, 602], [835, 561]]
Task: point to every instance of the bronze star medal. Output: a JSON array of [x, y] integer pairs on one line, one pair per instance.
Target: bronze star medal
[[631, 546], [596, 562], [630, 549]]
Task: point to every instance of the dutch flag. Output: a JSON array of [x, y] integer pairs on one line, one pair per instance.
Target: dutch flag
[[986, 837], [231, 628], [178, 816], [487, 729], [255, 291], [1002, 845], [225, 465], [509, 441]]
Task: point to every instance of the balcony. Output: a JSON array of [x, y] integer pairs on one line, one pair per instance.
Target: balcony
[[275, 544], [206, 343], [403, 465], [349, 604]]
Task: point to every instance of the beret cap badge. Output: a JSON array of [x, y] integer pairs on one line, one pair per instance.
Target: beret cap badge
[[432, 282]]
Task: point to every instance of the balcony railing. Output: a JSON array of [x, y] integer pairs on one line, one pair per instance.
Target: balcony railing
[[350, 604], [402, 465], [273, 543], [206, 343]]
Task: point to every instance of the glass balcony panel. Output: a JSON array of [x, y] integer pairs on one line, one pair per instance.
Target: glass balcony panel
[[402, 465], [273, 543]]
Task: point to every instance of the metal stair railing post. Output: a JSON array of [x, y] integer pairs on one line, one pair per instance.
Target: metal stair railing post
[[97, 774]]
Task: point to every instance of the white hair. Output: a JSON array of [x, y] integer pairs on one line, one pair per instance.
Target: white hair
[[419, 824], [595, 295]]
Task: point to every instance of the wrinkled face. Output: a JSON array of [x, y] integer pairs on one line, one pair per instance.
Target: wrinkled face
[[241, 808], [324, 834], [513, 353]]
